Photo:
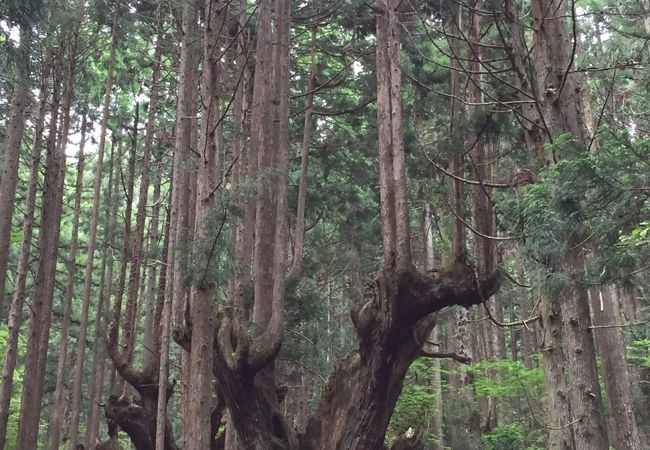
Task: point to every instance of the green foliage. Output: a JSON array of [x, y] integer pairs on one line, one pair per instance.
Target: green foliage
[[507, 437], [416, 402], [639, 352], [14, 407], [504, 378]]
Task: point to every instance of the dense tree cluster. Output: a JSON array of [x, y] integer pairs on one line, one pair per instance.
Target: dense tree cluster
[[324, 225]]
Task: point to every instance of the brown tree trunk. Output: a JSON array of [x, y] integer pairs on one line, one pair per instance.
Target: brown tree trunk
[[436, 380], [173, 311], [41, 310], [296, 264], [611, 347], [106, 291], [181, 194], [202, 315], [90, 252], [15, 313], [457, 195], [130, 313], [113, 339], [59, 392], [559, 415], [590, 432], [13, 144]]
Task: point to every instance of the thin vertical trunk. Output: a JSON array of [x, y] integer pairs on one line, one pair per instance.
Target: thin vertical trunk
[[15, 314], [141, 212], [296, 265], [106, 290], [92, 242], [436, 381], [127, 240], [611, 347], [13, 144], [150, 325], [163, 316], [527, 334], [456, 164], [59, 392], [41, 310]]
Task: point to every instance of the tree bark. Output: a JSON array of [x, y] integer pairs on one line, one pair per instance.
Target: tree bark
[[296, 264], [59, 392], [105, 293], [12, 148], [611, 347], [130, 313], [41, 310], [90, 251], [18, 299], [392, 323]]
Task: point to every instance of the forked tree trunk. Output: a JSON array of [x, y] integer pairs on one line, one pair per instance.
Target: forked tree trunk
[[392, 323]]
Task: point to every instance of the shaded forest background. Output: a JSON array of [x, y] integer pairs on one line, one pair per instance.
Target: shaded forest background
[[319, 225]]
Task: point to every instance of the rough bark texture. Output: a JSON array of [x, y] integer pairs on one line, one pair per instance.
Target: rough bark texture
[[59, 392], [141, 210], [13, 144], [590, 432], [106, 291], [18, 299], [611, 348], [391, 323], [92, 242], [559, 410], [41, 310]]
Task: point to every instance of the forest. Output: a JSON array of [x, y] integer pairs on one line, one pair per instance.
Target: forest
[[325, 225]]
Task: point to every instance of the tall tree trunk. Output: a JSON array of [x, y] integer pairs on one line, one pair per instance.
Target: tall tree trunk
[[296, 264], [173, 313], [141, 211], [436, 380], [15, 313], [202, 314], [611, 347], [112, 340], [459, 245], [41, 310], [105, 293], [590, 432], [12, 148], [59, 392], [90, 251], [560, 101]]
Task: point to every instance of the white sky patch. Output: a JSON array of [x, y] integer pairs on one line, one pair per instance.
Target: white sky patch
[[12, 32], [357, 67], [92, 140]]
